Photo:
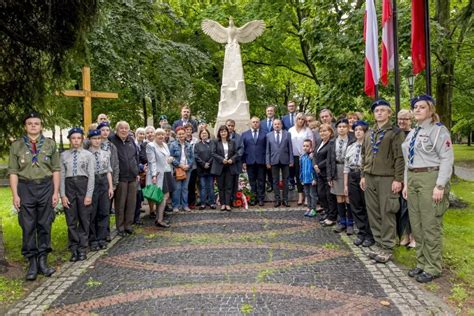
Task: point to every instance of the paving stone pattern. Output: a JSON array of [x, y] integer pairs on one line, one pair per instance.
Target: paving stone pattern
[[259, 262]]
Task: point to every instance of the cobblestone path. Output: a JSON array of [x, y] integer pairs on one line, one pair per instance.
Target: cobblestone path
[[218, 263]]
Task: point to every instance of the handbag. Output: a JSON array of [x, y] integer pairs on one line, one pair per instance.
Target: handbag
[[153, 193], [180, 174]]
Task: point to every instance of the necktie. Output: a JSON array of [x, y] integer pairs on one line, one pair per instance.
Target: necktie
[[339, 153], [291, 119], [357, 154], [278, 138], [74, 163], [269, 124], [411, 149], [33, 145], [254, 135], [97, 162]]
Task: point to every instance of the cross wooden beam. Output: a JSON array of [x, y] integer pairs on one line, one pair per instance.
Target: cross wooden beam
[[88, 94]]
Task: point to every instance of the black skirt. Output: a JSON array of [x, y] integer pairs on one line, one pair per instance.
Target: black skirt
[[168, 183]]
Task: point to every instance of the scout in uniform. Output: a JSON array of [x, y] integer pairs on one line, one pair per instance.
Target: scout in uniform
[[34, 180], [77, 187], [429, 160], [103, 192], [352, 165], [381, 179]]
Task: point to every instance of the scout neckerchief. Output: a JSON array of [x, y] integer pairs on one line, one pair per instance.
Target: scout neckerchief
[[34, 148], [376, 144]]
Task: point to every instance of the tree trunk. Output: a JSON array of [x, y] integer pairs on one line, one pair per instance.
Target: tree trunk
[[145, 114], [154, 112], [445, 71]]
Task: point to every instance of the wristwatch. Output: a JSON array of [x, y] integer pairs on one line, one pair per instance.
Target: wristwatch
[[440, 187]]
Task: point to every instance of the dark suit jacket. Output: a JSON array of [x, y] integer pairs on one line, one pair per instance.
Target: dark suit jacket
[[179, 122], [286, 121], [279, 153], [320, 158], [237, 139], [217, 152], [264, 127], [254, 152], [203, 154], [331, 161]]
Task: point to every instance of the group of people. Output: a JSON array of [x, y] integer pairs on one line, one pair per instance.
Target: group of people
[[346, 174]]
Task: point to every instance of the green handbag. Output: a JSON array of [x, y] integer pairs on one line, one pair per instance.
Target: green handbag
[[152, 193]]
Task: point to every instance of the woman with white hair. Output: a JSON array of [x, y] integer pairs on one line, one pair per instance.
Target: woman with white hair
[[160, 172]]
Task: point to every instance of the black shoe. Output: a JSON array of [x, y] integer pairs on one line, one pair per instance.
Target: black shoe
[[108, 238], [129, 231], [73, 257], [202, 207], [414, 272], [276, 204], [43, 266], [339, 228], [269, 189], [32, 272], [81, 256], [162, 224], [213, 206], [425, 277], [122, 233], [359, 241], [368, 243], [103, 246], [95, 248], [139, 223], [261, 203]]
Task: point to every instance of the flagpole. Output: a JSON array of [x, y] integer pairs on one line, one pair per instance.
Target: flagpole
[[427, 47], [376, 89], [396, 57]]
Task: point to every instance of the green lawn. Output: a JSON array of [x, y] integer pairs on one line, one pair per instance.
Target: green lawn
[[464, 155]]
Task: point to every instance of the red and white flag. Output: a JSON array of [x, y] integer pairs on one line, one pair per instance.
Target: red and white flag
[[372, 73], [388, 50], [418, 54]]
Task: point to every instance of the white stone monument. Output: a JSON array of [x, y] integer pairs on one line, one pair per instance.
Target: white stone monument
[[233, 102]]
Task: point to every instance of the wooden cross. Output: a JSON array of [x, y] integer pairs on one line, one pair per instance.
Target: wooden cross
[[87, 94]]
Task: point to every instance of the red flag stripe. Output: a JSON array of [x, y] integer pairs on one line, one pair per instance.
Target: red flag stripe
[[418, 57], [371, 66]]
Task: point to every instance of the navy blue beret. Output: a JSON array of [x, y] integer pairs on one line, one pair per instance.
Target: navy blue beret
[[31, 115], [75, 130], [103, 124], [379, 102], [343, 121], [423, 97], [163, 117], [202, 121], [93, 133], [360, 123]]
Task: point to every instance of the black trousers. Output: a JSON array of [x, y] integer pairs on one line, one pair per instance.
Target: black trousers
[[359, 211], [99, 220], [256, 173], [225, 184], [78, 215], [36, 216], [403, 220], [295, 174], [192, 187], [285, 171], [326, 199]]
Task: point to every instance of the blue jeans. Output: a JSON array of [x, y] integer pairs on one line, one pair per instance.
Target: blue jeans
[[206, 192], [180, 194]]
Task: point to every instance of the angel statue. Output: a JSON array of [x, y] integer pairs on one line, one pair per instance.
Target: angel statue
[[233, 102]]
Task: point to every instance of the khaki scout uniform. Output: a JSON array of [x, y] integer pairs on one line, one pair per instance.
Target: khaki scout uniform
[[380, 170], [35, 188], [432, 166]]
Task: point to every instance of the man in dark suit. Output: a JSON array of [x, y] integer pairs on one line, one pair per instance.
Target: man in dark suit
[[254, 142], [236, 138], [185, 119], [279, 157], [289, 119], [266, 124]]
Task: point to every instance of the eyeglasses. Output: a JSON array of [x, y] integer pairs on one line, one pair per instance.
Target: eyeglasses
[[404, 119]]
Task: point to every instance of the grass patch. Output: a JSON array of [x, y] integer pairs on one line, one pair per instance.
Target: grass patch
[[246, 309], [10, 289], [93, 282], [464, 155]]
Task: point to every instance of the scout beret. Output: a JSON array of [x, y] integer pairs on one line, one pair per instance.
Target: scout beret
[[31, 115], [163, 117], [342, 121], [93, 133], [423, 97], [364, 124], [75, 130], [202, 121], [103, 124], [378, 103]]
